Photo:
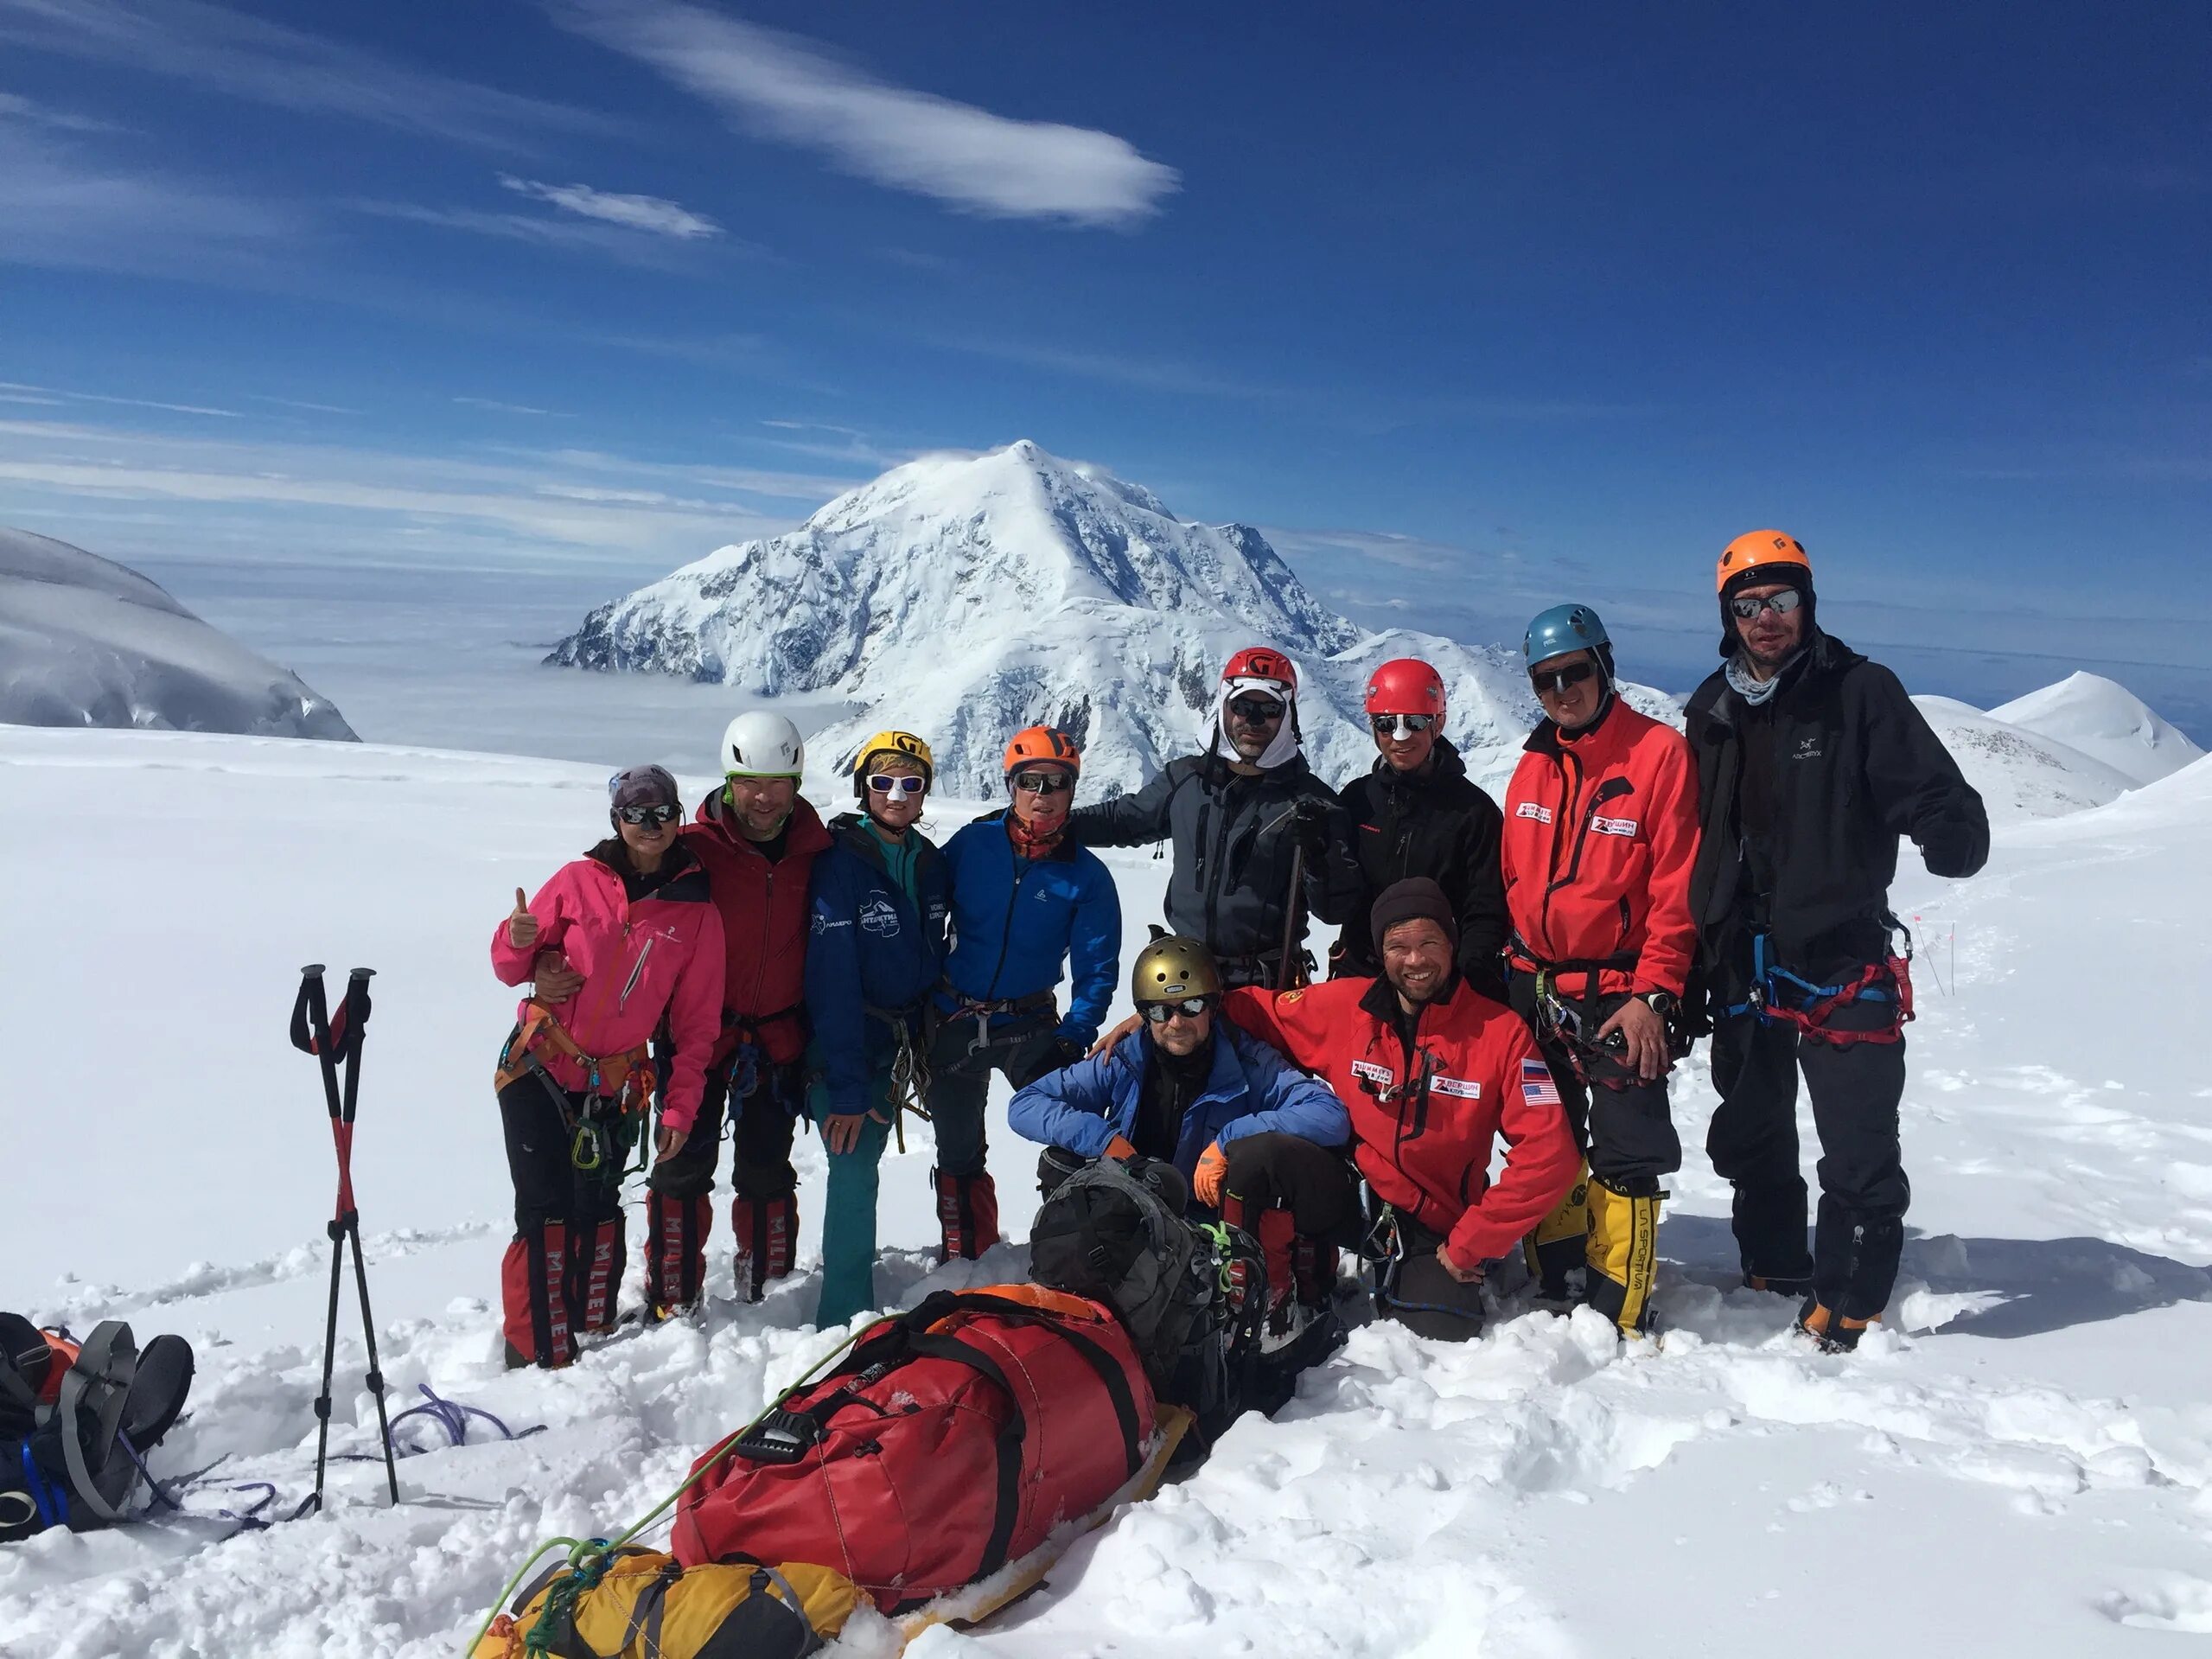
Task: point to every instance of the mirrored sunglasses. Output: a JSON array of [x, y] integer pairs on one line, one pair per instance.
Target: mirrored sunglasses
[[1399, 725], [1256, 710], [1049, 781], [897, 786], [1559, 680], [1159, 1013], [1745, 607], [661, 814]]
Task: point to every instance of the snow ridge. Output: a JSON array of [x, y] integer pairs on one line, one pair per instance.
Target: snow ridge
[[85, 641]]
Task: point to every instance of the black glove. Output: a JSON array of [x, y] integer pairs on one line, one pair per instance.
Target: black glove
[[1310, 823]]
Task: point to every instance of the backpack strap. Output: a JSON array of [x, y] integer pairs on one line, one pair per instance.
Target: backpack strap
[[99, 1382]]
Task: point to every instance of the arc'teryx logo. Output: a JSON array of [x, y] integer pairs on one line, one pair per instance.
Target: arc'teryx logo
[[1808, 748]]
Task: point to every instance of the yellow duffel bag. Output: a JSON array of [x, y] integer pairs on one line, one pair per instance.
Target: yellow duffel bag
[[644, 1606]]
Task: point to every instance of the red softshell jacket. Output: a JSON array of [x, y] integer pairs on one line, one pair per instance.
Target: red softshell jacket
[[1424, 1127], [1601, 833], [764, 923], [663, 954]]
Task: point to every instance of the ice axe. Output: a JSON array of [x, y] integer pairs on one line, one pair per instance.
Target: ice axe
[[333, 1043]]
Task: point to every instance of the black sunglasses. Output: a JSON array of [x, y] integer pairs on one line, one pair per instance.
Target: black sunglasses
[[1559, 680], [1159, 1013], [1782, 605], [1256, 710], [1044, 783], [648, 815]]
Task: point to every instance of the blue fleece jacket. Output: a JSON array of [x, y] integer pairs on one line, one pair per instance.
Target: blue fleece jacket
[[1252, 1091], [1015, 921], [874, 943]]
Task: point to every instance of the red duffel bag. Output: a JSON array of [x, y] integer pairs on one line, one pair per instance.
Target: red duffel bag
[[950, 1440]]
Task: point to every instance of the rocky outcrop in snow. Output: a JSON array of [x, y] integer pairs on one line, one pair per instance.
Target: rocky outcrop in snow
[[2020, 772], [85, 641], [967, 596]]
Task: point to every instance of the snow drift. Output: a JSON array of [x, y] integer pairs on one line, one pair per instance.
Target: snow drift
[[85, 641], [967, 596]]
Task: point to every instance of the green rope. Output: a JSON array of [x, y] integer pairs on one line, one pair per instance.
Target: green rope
[[588, 1557]]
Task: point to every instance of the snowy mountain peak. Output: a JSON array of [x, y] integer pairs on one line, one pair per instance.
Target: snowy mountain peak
[[2105, 720], [966, 596]]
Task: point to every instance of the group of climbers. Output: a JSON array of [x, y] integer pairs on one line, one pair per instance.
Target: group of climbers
[[844, 973], [1528, 975]]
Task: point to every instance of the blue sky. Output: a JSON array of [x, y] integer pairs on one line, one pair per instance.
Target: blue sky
[[1467, 307]]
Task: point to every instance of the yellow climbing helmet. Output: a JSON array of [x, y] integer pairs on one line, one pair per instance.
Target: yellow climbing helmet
[[904, 745]]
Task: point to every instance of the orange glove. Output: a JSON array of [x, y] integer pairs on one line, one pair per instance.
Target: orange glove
[[1119, 1150], [1206, 1180]]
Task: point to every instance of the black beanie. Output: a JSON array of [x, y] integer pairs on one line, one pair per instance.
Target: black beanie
[[1409, 901], [1764, 576]]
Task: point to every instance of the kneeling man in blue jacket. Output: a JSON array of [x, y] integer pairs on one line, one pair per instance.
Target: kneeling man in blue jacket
[[1260, 1142]]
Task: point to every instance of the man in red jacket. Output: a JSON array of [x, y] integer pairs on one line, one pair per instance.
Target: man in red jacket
[[1434, 1073], [757, 839], [1601, 831]]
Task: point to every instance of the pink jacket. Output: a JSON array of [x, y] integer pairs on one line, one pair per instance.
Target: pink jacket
[[663, 954]]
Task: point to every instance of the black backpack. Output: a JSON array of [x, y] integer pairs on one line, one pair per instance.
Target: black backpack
[[72, 1416], [1115, 1233]]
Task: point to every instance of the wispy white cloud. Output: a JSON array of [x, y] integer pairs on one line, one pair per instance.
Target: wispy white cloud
[[14, 106], [63, 209], [301, 403], [543, 230], [50, 394], [524, 503], [220, 50], [787, 88], [654, 214], [499, 408]]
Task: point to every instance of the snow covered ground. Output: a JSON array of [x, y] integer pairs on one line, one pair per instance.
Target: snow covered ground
[[2021, 1463]]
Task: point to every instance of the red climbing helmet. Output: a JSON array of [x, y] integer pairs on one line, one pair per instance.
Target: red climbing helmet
[[1406, 685], [1258, 665]]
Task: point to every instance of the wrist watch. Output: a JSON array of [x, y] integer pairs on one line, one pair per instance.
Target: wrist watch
[[1662, 1003]]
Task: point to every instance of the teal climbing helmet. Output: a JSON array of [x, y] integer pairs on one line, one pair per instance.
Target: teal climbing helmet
[[1561, 630]]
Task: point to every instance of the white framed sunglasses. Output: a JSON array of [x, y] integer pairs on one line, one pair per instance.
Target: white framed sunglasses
[[897, 786]]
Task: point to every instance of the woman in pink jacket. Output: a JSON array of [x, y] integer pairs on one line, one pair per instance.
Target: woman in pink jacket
[[633, 917]]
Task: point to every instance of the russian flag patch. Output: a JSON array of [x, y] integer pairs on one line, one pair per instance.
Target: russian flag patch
[[1536, 1085]]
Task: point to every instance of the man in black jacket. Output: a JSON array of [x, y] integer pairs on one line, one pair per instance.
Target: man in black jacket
[[1812, 762], [1239, 816], [1419, 813]]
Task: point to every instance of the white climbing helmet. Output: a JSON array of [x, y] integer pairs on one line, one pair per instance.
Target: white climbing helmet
[[758, 744]]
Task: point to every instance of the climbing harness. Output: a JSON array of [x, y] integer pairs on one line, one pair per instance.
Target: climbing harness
[[910, 1089], [1779, 997], [1026, 1013]]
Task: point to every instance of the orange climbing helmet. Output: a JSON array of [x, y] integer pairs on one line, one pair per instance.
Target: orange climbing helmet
[[1757, 550], [1049, 744]]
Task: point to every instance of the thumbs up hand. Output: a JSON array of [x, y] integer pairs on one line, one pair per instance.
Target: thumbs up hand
[[521, 927]]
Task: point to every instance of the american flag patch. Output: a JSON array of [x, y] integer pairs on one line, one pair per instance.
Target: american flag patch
[[1536, 1085]]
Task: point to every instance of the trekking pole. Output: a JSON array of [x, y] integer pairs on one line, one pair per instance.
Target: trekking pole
[[1286, 973], [313, 1033]]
